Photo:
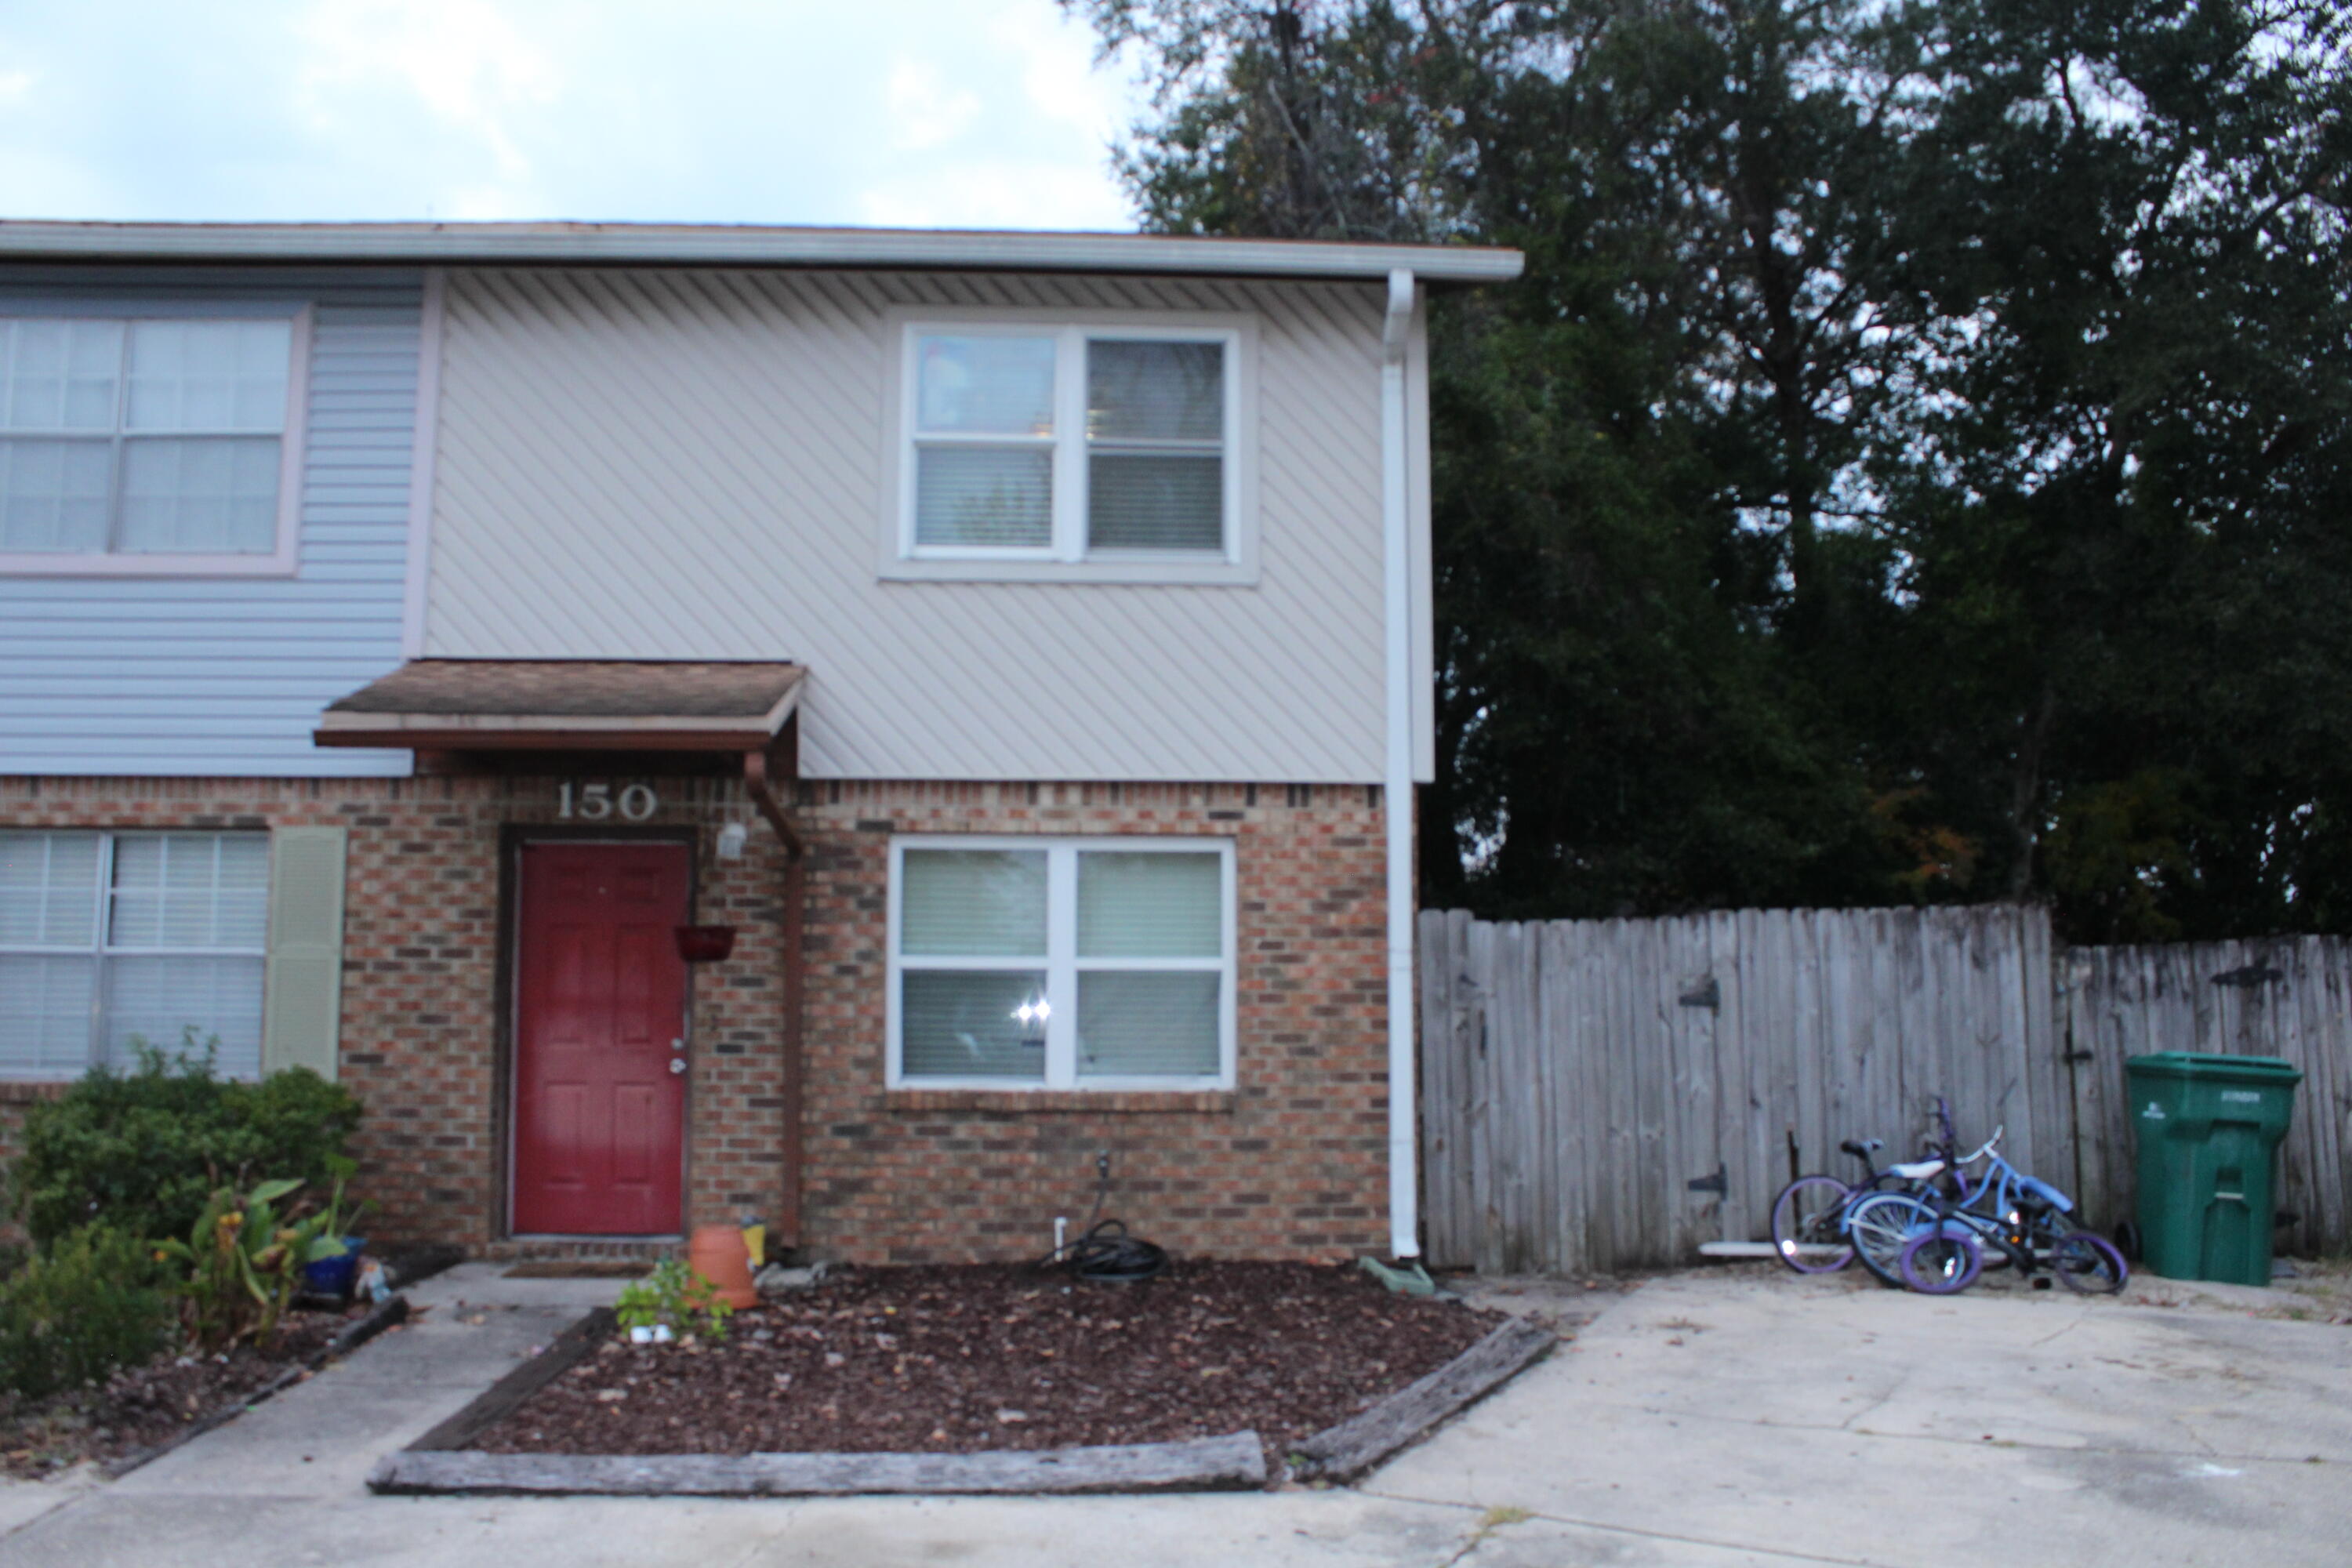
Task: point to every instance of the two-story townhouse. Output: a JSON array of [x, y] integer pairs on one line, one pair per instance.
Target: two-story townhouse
[[690, 722]]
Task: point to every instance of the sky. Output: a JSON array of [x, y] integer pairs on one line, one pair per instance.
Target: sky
[[919, 113]]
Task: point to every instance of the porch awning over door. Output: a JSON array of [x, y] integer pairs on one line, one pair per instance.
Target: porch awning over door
[[568, 705]]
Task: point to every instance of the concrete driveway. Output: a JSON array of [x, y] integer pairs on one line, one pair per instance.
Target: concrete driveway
[[1702, 1419]]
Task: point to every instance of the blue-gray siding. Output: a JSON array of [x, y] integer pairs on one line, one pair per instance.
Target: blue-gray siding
[[226, 676]]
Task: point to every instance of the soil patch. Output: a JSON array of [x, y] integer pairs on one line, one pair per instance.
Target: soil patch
[[142, 1407], [966, 1360]]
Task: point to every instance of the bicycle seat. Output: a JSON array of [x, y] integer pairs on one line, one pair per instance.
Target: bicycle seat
[[2047, 1194], [1863, 1148], [1918, 1169]]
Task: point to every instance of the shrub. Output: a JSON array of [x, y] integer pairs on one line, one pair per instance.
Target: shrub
[[76, 1311], [143, 1150], [675, 1295], [244, 1258]]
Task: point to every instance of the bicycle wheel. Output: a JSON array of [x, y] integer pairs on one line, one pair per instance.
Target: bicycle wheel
[[2088, 1264], [1942, 1263], [1805, 1218], [1881, 1226]]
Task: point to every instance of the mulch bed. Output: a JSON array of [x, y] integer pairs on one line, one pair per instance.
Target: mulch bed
[[139, 1407], [964, 1359]]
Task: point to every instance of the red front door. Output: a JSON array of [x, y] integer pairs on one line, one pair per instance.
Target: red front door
[[600, 1016]]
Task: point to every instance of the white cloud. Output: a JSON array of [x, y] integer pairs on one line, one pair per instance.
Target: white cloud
[[995, 196], [469, 65], [925, 111], [1058, 75]]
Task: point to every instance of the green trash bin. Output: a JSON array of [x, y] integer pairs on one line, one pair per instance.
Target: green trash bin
[[2209, 1132]]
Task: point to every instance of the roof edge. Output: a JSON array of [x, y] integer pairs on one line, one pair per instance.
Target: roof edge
[[714, 245]]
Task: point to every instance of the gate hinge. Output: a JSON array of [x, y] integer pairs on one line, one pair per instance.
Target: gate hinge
[[1719, 1184]]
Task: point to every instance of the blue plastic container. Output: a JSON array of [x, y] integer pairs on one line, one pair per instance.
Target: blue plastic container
[[333, 1276]]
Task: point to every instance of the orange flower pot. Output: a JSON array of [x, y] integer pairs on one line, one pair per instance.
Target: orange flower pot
[[718, 1254]]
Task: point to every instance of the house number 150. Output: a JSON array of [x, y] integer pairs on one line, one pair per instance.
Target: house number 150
[[596, 802]]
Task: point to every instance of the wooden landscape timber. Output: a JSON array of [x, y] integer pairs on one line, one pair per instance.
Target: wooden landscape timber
[[494, 1404], [384, 1315], [1230, 1463], [1342, 1453]]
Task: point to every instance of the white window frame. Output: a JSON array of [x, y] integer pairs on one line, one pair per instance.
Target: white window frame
[[1062, 965], [1067, 559], [101, 948], [282, 559]]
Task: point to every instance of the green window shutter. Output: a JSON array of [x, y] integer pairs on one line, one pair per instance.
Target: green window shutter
[[303, 1007]]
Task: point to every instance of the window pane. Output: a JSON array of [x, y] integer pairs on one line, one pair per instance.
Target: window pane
[[1156, 500], [159, 1000], [1142, 905], [53, 494], [49, 888], [59, 375], [985, 386], [968, 1024], [973, 903], [198, 494], [45, 1014], [1147, 1023], [209, 376], [190, 890], [1162, 392], [984, 496]]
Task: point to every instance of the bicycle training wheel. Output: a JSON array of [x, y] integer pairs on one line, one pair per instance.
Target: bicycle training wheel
[[1942, 1264], [1881, 1226], [1805, 1219], [2088, 1264]]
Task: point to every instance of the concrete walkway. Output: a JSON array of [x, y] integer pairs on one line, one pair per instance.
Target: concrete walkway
[[1704, 1420]]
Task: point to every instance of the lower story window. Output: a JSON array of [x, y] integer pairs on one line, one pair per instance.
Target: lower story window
[[112, 940], [1043, 964]]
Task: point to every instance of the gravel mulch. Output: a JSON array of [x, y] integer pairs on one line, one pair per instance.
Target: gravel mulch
[[962, 1360], [140, 1406]]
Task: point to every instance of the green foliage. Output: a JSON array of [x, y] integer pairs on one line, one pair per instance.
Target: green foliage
[[1920, 429], [75, 1312], [143, 1150], [674, 1295], [243, 1260]]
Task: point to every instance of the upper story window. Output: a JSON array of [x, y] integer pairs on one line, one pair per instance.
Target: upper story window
[[151, 445], [1046, 451]]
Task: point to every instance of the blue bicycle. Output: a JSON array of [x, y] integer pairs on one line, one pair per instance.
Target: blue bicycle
[[1937, 1241]]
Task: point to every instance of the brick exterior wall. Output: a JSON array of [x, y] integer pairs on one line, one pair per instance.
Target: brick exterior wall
[[1292, 1162]]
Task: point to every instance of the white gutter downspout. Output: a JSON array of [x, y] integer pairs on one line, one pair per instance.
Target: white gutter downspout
[[1396, 791]]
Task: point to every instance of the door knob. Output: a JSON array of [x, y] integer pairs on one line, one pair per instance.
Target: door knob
[[678, 1064]]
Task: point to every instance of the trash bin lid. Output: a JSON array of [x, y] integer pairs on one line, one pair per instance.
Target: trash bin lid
[[2209, 1066]]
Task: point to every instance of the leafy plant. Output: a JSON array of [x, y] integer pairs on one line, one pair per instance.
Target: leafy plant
[[675, 1295], [73, 1313], [244, 1261], [144, 1149]]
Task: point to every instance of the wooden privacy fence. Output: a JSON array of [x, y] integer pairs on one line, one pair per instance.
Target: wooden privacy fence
[[2289, 997], [1607, 1094]]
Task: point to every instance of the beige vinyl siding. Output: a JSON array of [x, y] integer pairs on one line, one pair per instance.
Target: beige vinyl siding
[[690, 465]]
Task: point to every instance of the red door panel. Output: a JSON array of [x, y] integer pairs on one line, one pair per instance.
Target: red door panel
[[600, 994]]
